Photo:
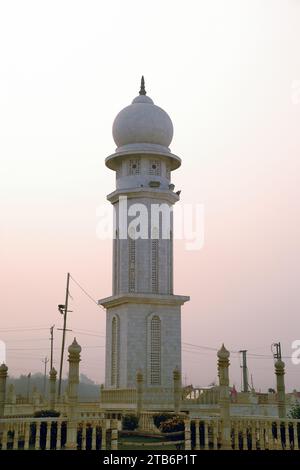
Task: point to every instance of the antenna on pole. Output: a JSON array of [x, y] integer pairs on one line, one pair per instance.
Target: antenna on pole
[[276, 350], [244, 367]]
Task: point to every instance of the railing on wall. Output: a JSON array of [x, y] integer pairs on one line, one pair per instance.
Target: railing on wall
[[52, 434], [201, 396], [210, 396], [118, 395], [253, 433], [265, 433]]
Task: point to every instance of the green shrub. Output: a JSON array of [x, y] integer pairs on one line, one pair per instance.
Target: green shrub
[[46, 414], [130, 422], [175, 424], [158, 419]]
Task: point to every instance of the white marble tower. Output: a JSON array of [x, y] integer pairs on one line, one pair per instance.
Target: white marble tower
[[143, 322]]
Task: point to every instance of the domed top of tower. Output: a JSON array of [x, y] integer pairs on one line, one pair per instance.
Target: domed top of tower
[[3, 368], [143, 127], [142, 122], [74, 348], [279, 364], [223, 353]]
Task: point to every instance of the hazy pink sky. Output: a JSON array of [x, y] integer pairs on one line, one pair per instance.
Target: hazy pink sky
[[228, 73]]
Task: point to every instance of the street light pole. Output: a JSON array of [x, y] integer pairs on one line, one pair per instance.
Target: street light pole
[[64, 309]]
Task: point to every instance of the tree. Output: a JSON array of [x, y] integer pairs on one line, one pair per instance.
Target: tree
[[294, 412]]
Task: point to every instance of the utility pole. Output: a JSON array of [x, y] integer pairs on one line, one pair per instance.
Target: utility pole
[[252, 386], [45, 361], [245, 371], [63, 310], [185, 380], [51, 342], [28, 386]]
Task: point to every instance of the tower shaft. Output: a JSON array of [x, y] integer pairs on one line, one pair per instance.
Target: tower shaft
[[143, 319]]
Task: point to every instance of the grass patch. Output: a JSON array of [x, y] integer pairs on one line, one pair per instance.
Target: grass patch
[[145, 443]]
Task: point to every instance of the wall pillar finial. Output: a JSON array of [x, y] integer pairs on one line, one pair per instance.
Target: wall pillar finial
[[73, 359], [280, 386], [52, 379], [223, 372], [3, 379]]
